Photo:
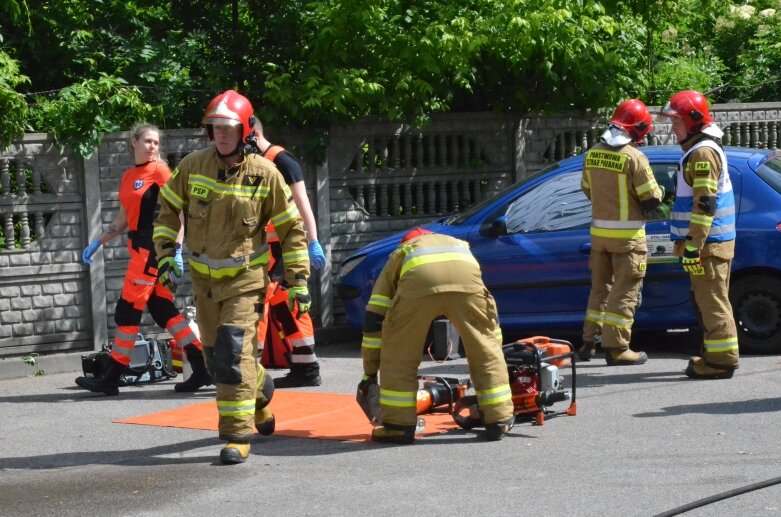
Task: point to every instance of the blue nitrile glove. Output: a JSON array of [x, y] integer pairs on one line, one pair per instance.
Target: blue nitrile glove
[[299, 294], [316, 255], [691, 261], [178, 259], [90, 250], [168, 273]]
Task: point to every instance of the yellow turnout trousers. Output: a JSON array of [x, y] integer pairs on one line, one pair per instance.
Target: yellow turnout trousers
[[403, 337], [230, 343]]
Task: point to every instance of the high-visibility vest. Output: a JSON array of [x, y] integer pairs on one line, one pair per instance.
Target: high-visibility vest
[[723, 225]]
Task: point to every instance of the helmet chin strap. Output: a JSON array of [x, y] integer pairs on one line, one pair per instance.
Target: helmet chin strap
[[239, 148]]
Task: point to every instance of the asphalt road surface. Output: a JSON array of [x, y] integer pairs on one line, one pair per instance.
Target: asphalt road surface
[[645, 440]]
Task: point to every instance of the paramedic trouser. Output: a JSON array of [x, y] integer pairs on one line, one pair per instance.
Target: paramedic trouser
[[710, 293], [294, 326], [616, 280], [230, 343], [141, 289], [403, 337]]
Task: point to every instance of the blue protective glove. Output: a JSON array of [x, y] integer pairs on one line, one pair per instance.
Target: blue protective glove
[[90, 250], [316, 255], [178, 260], [168, 273]]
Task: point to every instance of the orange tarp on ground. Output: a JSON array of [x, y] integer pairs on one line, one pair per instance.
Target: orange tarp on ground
[[326, 416]]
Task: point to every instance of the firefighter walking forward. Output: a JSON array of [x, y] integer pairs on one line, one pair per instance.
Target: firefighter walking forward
[[229, 195], [427, 276], [618, 180], [703, 229]]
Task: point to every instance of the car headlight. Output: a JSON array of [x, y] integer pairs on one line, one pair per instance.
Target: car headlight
[[350, 265]]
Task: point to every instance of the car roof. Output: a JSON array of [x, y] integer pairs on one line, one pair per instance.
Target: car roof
[[657, 153]]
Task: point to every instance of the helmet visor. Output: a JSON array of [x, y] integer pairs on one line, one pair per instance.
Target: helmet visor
[[667, 111], [221, 121]]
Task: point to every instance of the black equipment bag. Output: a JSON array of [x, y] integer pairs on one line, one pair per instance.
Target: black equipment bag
[[150, 362]]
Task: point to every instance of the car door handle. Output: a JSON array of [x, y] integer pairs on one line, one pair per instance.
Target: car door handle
[[585, 248]]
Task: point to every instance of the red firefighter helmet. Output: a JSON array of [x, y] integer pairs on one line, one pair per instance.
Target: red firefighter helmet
[[633, 117], [229, 108], [415, 232], [691, 107]]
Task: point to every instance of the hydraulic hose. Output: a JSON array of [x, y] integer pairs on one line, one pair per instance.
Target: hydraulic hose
[[719, 497]]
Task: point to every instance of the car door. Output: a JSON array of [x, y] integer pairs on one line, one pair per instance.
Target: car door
[[538, 272], [666, 285]]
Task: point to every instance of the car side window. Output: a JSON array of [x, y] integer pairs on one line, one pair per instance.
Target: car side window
[[557, 204], [665, 177], [770, 172]]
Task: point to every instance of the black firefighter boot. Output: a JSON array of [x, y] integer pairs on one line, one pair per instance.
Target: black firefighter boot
[[300, 375], [200, 377], [107, 382]]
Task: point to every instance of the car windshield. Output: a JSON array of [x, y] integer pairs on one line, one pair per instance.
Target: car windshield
[[770, 171], [459, 218]]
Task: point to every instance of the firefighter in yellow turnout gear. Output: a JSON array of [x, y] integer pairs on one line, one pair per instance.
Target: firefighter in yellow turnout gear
[[228, 195], [703, 229], [427, 276], [618, 180]]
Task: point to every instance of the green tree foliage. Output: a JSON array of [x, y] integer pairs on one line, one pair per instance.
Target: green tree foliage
[[12, 102], [15, 11], [748, 38], [131, 52], [405, 60], [96, 65], [80, 113]]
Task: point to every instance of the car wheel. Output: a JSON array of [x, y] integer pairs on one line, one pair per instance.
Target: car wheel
[[756, 303]]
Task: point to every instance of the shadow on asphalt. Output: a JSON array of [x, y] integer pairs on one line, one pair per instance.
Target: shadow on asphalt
[[719, 408], [76, 394], [586, 380], [314, 447], [136, 457]]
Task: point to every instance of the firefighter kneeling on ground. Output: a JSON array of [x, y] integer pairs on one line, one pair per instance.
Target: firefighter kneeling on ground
[[427, 276], [228, 194]]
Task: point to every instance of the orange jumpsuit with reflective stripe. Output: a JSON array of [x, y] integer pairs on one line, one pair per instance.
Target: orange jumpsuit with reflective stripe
[[138, 192], [297, 328]]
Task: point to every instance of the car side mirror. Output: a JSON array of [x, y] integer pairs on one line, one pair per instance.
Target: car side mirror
[[497, 228]]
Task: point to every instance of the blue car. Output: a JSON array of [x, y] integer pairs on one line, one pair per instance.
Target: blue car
[[532, 243]]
